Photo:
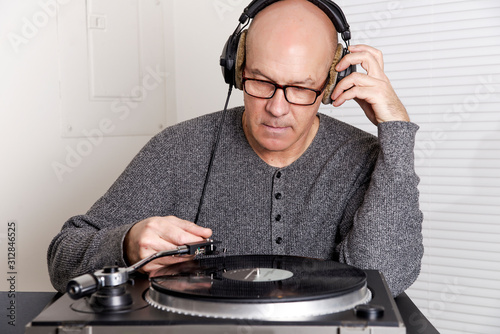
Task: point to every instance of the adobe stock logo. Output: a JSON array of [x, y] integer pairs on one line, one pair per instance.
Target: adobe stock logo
[[225, 6], [120, 110], [454, 116], [381, 19], [39, 20]]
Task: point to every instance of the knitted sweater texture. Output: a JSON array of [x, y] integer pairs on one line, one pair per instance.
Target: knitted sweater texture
[[350, 197]]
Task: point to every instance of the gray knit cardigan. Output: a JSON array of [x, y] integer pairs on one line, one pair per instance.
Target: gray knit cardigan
[[350, 197]]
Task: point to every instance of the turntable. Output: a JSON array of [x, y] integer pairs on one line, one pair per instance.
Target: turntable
[[225, 294]]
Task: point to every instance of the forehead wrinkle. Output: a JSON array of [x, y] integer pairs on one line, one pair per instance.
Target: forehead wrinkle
[[257, 72]]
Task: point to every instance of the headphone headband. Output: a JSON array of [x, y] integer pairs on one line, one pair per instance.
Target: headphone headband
[[330, 8], [233, 55]]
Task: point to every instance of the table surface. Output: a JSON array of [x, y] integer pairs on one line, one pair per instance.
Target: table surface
[[29, 304]]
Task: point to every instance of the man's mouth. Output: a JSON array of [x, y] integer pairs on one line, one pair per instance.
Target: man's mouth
[[275, 127]]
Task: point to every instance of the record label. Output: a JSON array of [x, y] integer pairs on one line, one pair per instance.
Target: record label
[[258, 274]]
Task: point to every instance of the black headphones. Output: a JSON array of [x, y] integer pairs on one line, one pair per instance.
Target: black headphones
[[232, 59]]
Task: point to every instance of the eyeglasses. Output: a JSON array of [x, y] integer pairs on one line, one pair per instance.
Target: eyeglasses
[[297, 95]]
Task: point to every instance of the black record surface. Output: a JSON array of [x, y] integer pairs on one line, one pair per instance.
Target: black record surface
[[207, 279]]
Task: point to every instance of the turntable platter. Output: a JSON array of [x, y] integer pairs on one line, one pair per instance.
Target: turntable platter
[[264, 287]]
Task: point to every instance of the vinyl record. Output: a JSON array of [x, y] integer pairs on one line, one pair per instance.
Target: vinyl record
[[258, 287]]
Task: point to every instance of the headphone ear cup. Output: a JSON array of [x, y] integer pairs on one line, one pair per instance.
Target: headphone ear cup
[[240, 60], [228, 58], [334, 75]]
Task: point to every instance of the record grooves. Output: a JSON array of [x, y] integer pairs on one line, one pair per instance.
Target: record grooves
[[258, 287]]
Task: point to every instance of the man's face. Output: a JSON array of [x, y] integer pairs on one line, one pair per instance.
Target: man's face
[[287, 56], [275, 125]]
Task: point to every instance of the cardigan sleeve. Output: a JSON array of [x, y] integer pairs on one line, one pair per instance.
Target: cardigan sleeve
[[94, 240], [149, 187], [385, 230]]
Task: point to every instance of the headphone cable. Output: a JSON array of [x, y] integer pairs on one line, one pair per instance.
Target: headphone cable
[[212, 154]]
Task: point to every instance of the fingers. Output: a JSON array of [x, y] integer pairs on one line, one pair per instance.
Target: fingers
[[156, 234], [375, 53], [355, 85], [373, 90], [191, 228], [376, 97], [370, 59], [174, 231]]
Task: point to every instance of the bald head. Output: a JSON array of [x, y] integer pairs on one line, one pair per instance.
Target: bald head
[[292, 33], [291, 42]]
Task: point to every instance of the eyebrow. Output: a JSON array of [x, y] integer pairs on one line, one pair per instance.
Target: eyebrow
[[300, 82]]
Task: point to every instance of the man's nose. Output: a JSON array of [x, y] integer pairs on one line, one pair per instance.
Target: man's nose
[[278, 105]]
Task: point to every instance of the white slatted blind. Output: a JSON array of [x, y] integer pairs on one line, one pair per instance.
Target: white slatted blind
[[443, 59]]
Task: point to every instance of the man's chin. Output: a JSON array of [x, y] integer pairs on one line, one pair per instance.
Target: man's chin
[[275, 145]]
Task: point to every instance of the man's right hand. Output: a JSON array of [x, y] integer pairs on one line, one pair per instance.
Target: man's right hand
[[155, 234]]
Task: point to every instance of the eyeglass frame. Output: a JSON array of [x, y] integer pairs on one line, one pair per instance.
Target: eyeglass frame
[[283, 88]]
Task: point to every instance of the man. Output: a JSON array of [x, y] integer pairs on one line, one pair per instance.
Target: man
[[286, 180]]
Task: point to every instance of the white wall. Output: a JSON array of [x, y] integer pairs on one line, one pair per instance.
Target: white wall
[[31, 194], [201, 29]]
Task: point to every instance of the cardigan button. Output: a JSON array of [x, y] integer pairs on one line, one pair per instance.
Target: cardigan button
[[278, 175], [277, 218], [279, 240], [278, 196]]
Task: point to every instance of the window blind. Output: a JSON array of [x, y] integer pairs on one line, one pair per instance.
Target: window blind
[[443, 59]]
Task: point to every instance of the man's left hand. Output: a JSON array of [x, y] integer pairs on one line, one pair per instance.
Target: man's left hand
[[373, 90]]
